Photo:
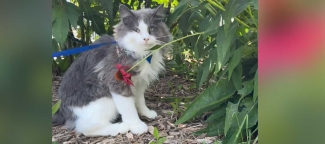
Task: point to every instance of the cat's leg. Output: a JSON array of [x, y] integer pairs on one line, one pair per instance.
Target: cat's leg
[[141, 104], [126, 107], [94, 118]]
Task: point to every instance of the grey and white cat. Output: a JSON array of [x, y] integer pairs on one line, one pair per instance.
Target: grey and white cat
[[91, 97]]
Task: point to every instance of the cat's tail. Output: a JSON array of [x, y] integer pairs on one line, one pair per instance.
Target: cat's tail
[[58, 118]]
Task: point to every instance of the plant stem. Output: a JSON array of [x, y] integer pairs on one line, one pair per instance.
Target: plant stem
[[160, 48], [223, 9], [255, 140], [251, 15]]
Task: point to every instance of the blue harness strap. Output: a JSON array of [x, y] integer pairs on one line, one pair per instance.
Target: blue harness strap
[[85, 48], [149, 59], [79, 50]]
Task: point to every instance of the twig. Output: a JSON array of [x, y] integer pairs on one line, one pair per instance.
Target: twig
[[160, 48]]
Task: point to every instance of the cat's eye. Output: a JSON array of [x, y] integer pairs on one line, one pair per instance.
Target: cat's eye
[[137, 30], [151, 29]]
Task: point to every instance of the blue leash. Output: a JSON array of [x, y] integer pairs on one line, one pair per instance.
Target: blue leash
[[83, 49]]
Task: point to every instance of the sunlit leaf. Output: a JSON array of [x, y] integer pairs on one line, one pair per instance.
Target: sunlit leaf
[[108, 6], [161, 140], [56, 107], [155, 133]]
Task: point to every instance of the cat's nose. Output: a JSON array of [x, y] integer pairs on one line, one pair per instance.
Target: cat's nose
[[146, 39]]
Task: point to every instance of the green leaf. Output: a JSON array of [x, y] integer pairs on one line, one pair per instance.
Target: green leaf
[[223, 44], [203, 71], [229, 13], [213, 95], [231, 112], [234, 61], [184, 22], [61, 17], [213, 27], [237, 76], [248, 113], [63, 63], [182, 3], [247, 89], [255, 86], [215, 128], [198, 46], [216, 114], [242, 5], [108, 6], [205, 23], [98, 24], [55, 45], [56, 107], [155, 133], [161, 140], [255, 4], [176, 15], [209, 47]]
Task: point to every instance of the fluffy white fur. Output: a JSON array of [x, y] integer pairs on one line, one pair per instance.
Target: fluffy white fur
[[93, 119]]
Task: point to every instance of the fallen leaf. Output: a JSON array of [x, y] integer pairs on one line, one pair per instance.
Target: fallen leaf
[[129, 135], [150, 129]]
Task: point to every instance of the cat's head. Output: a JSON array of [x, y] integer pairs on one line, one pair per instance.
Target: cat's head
[[140, 30]]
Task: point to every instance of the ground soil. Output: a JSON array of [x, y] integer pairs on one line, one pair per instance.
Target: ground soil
[[169, 85]]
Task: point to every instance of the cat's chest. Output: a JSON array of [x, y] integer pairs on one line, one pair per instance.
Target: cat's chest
[[150, 71]]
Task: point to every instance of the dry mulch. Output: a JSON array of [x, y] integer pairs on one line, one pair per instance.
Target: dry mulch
[[169, 85]]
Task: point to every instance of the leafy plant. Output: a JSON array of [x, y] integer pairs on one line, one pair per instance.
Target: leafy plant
[[227, 54], [221, 56], [159, 140]]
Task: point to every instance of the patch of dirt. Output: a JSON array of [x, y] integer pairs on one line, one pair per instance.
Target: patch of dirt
[[169, 86]]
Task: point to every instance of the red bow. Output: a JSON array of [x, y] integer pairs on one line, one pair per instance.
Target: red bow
[[121, 74]]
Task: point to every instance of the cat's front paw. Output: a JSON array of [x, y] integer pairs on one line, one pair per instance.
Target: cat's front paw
[[139, 128], [150, 114]]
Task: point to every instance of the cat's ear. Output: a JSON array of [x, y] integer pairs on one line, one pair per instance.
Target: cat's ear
[[160, 12], [125, 11]]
